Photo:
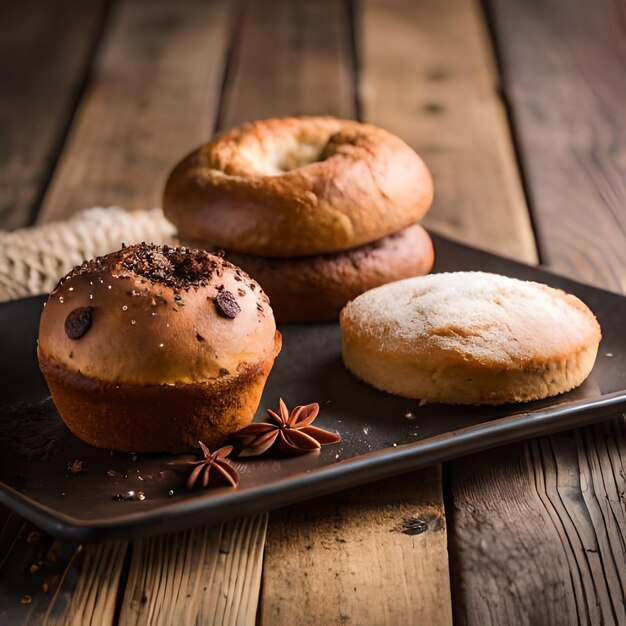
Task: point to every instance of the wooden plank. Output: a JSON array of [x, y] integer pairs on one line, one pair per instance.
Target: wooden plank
[[45, 49], [292, 58], [44, 581], [201, 576], [205, 575], [564, 64], [373, 555], [427, 74], [152, 97], [536, 530], [91, 599]]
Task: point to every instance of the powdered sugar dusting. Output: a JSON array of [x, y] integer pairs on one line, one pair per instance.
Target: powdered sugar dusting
[[484, 316]]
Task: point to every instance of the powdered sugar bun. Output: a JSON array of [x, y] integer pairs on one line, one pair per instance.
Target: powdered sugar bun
[[469, 338]]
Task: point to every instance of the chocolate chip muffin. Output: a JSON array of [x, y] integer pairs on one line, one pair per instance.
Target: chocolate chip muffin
[[152, 348]]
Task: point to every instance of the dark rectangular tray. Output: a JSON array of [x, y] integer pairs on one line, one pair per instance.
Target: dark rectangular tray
[[379, 440]]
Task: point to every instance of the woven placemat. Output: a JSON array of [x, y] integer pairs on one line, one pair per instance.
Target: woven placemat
[[33, 259]]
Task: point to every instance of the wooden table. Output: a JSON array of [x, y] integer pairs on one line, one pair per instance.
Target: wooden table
[[518, 107]]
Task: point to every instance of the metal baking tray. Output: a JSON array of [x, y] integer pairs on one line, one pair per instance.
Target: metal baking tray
[[382, 435]]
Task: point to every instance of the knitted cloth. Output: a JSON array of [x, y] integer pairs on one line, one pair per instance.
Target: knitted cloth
[[33, 259]]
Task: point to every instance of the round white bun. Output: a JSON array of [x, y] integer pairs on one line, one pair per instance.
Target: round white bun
[[469, 338]]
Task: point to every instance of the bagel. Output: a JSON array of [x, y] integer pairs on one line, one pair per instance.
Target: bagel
[[469, 338], [297, 186], [316, 288], [152, 348]]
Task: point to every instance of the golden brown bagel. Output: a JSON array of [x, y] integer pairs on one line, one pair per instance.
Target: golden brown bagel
[[315, 288], [153, 348], [297, 186]]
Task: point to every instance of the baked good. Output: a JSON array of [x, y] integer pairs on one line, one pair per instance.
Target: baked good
[[469, 338], [152, 348], [297, 186], [316, 209], [316, 288]]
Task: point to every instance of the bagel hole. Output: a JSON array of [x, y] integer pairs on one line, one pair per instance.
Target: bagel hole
[[277, 159], [301, 155]]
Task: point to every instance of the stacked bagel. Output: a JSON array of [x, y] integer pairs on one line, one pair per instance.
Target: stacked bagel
[[318, 210]]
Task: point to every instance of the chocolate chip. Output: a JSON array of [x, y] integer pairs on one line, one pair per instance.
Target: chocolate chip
[[226, 304], [78, 322]]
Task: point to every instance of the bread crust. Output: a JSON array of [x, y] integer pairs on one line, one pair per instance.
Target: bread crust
[[470, 338], [297, 186], [316, 288]]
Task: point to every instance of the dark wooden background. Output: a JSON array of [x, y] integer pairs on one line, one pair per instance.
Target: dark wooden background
[[518, 107]]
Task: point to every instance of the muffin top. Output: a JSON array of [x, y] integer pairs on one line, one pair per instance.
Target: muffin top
[[150, 314]]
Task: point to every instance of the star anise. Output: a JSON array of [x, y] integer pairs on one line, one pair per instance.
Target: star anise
[[217, 460], [292, 429]]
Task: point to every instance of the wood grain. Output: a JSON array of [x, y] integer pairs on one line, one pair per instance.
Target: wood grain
[[427, 74], [539, 531], [201, 576], [373, 555], [45, 49], [291, 58], [51, 583], [91, 600], [152, 97], [564, 63]]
